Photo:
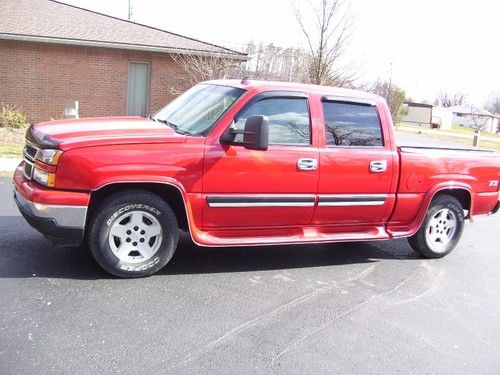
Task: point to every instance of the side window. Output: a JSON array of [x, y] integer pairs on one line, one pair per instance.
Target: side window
[[351, 124], [288, 120]]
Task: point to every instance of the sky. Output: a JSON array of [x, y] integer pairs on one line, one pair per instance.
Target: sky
[[423, 46]]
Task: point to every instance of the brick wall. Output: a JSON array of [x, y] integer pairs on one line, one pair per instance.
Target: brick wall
[[42, 78]]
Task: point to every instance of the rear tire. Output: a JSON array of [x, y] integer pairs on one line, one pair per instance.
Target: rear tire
[[133, 234], [442, 228]]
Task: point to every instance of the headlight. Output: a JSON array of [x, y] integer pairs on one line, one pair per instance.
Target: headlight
[[49, 156], [44, 177]]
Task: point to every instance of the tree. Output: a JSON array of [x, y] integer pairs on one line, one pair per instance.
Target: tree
[[478, 122], [269, 62], [446, 99], [394, 96], [327, 39], [197, 68], [493, 104]]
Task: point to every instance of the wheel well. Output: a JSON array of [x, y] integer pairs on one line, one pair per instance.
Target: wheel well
[[462, 195], [169, 193]]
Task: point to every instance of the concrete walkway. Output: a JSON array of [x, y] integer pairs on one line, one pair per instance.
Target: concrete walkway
[[9, 164]]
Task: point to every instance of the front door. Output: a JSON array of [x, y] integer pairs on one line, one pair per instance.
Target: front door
[[247, 188]]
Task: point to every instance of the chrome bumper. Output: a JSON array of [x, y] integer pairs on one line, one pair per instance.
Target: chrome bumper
[[63, 216]]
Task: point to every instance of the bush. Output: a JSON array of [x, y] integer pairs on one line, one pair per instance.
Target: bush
[[11, 117]]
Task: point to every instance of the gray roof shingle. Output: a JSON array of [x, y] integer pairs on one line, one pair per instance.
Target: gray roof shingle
[[52, 21]]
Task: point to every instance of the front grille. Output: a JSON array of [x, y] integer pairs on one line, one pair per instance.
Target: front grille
[[29, 154], [28, 170]]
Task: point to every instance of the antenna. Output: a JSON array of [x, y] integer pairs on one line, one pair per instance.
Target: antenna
[[129, 9]]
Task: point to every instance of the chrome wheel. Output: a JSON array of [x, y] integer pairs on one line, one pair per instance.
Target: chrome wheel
[[135, 236], [441, 229]]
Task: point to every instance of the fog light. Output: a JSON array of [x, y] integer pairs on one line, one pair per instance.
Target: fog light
[[44, 177]]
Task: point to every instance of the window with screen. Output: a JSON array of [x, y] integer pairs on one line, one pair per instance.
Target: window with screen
[[288, 119], [352, 124]]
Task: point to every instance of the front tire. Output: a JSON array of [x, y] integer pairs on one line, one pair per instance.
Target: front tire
[[442, 228], [133, 234]]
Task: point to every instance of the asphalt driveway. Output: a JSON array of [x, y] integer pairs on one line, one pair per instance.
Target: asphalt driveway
[[341, 308]]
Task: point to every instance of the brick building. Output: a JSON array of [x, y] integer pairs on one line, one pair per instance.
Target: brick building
[[52, 53]]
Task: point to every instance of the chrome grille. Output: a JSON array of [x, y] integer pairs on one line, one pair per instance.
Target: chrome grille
[[28, 170], [29, 154]]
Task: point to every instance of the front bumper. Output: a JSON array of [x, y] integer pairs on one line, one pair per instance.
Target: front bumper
[[63, 224]]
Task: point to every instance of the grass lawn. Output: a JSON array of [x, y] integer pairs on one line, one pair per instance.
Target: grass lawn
[[464, 129], [11, 142]]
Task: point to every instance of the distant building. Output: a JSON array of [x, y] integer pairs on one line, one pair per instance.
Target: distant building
[[427, 115], [471, 116], [52, 53]]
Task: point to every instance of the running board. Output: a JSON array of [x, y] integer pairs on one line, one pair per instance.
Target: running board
[[296, 236]]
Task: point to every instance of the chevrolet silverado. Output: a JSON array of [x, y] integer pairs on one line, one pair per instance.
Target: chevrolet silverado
[[242, 164]]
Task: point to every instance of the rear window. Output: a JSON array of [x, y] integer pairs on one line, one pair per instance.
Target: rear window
[[352, 124]]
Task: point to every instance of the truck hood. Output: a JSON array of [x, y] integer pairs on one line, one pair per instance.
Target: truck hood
[[88, 132]]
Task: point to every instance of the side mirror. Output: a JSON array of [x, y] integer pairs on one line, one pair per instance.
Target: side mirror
[[255, 134]]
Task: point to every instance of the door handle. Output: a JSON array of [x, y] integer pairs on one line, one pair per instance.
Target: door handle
[[306, 164], [378, 166]]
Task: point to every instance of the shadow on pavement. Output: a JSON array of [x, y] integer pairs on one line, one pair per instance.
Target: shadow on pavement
[[26, 253]]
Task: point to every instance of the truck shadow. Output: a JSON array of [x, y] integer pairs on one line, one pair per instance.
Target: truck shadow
[[191, 259], [25, 253]]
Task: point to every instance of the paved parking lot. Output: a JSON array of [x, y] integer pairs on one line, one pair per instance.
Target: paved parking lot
[[342, 308]]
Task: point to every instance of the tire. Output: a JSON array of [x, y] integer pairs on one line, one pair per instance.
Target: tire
[[133, 234], [442, 228]]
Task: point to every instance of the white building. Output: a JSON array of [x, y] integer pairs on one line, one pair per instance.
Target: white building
[[427, 115], [471, 116]]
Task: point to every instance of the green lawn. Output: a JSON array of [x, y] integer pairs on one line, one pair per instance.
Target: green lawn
[[464, 129], [11, 142], [11, 150]]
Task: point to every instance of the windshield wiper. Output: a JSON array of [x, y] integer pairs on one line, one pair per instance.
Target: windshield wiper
[[173, 126]]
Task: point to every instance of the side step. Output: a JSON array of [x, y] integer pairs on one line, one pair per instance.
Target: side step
[[265, 236]]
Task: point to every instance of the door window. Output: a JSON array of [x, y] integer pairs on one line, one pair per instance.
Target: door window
[[289, 122], [352, 124]]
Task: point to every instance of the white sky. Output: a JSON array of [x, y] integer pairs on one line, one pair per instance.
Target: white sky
[[433, 44]]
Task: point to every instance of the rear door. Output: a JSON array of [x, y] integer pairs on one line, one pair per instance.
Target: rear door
[[356, 166], [272, 188]]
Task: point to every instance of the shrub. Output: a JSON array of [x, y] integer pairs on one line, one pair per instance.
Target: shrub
[[11, 117]]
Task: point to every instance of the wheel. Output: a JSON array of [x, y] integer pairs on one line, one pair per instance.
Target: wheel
[[133, 234], [442, 228]]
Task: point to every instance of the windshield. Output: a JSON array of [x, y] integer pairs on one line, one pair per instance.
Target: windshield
[[198, 109]]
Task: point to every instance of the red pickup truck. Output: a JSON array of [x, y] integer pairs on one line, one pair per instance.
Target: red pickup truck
[[247, 163]]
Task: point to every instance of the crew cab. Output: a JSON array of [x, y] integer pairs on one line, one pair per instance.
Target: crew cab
[[245, 164]]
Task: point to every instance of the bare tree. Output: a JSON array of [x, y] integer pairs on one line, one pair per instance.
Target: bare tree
[[196, 68], [327, 39], [393, 95], [478, 122], [493, 104], [445, 99], [269, 62]]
